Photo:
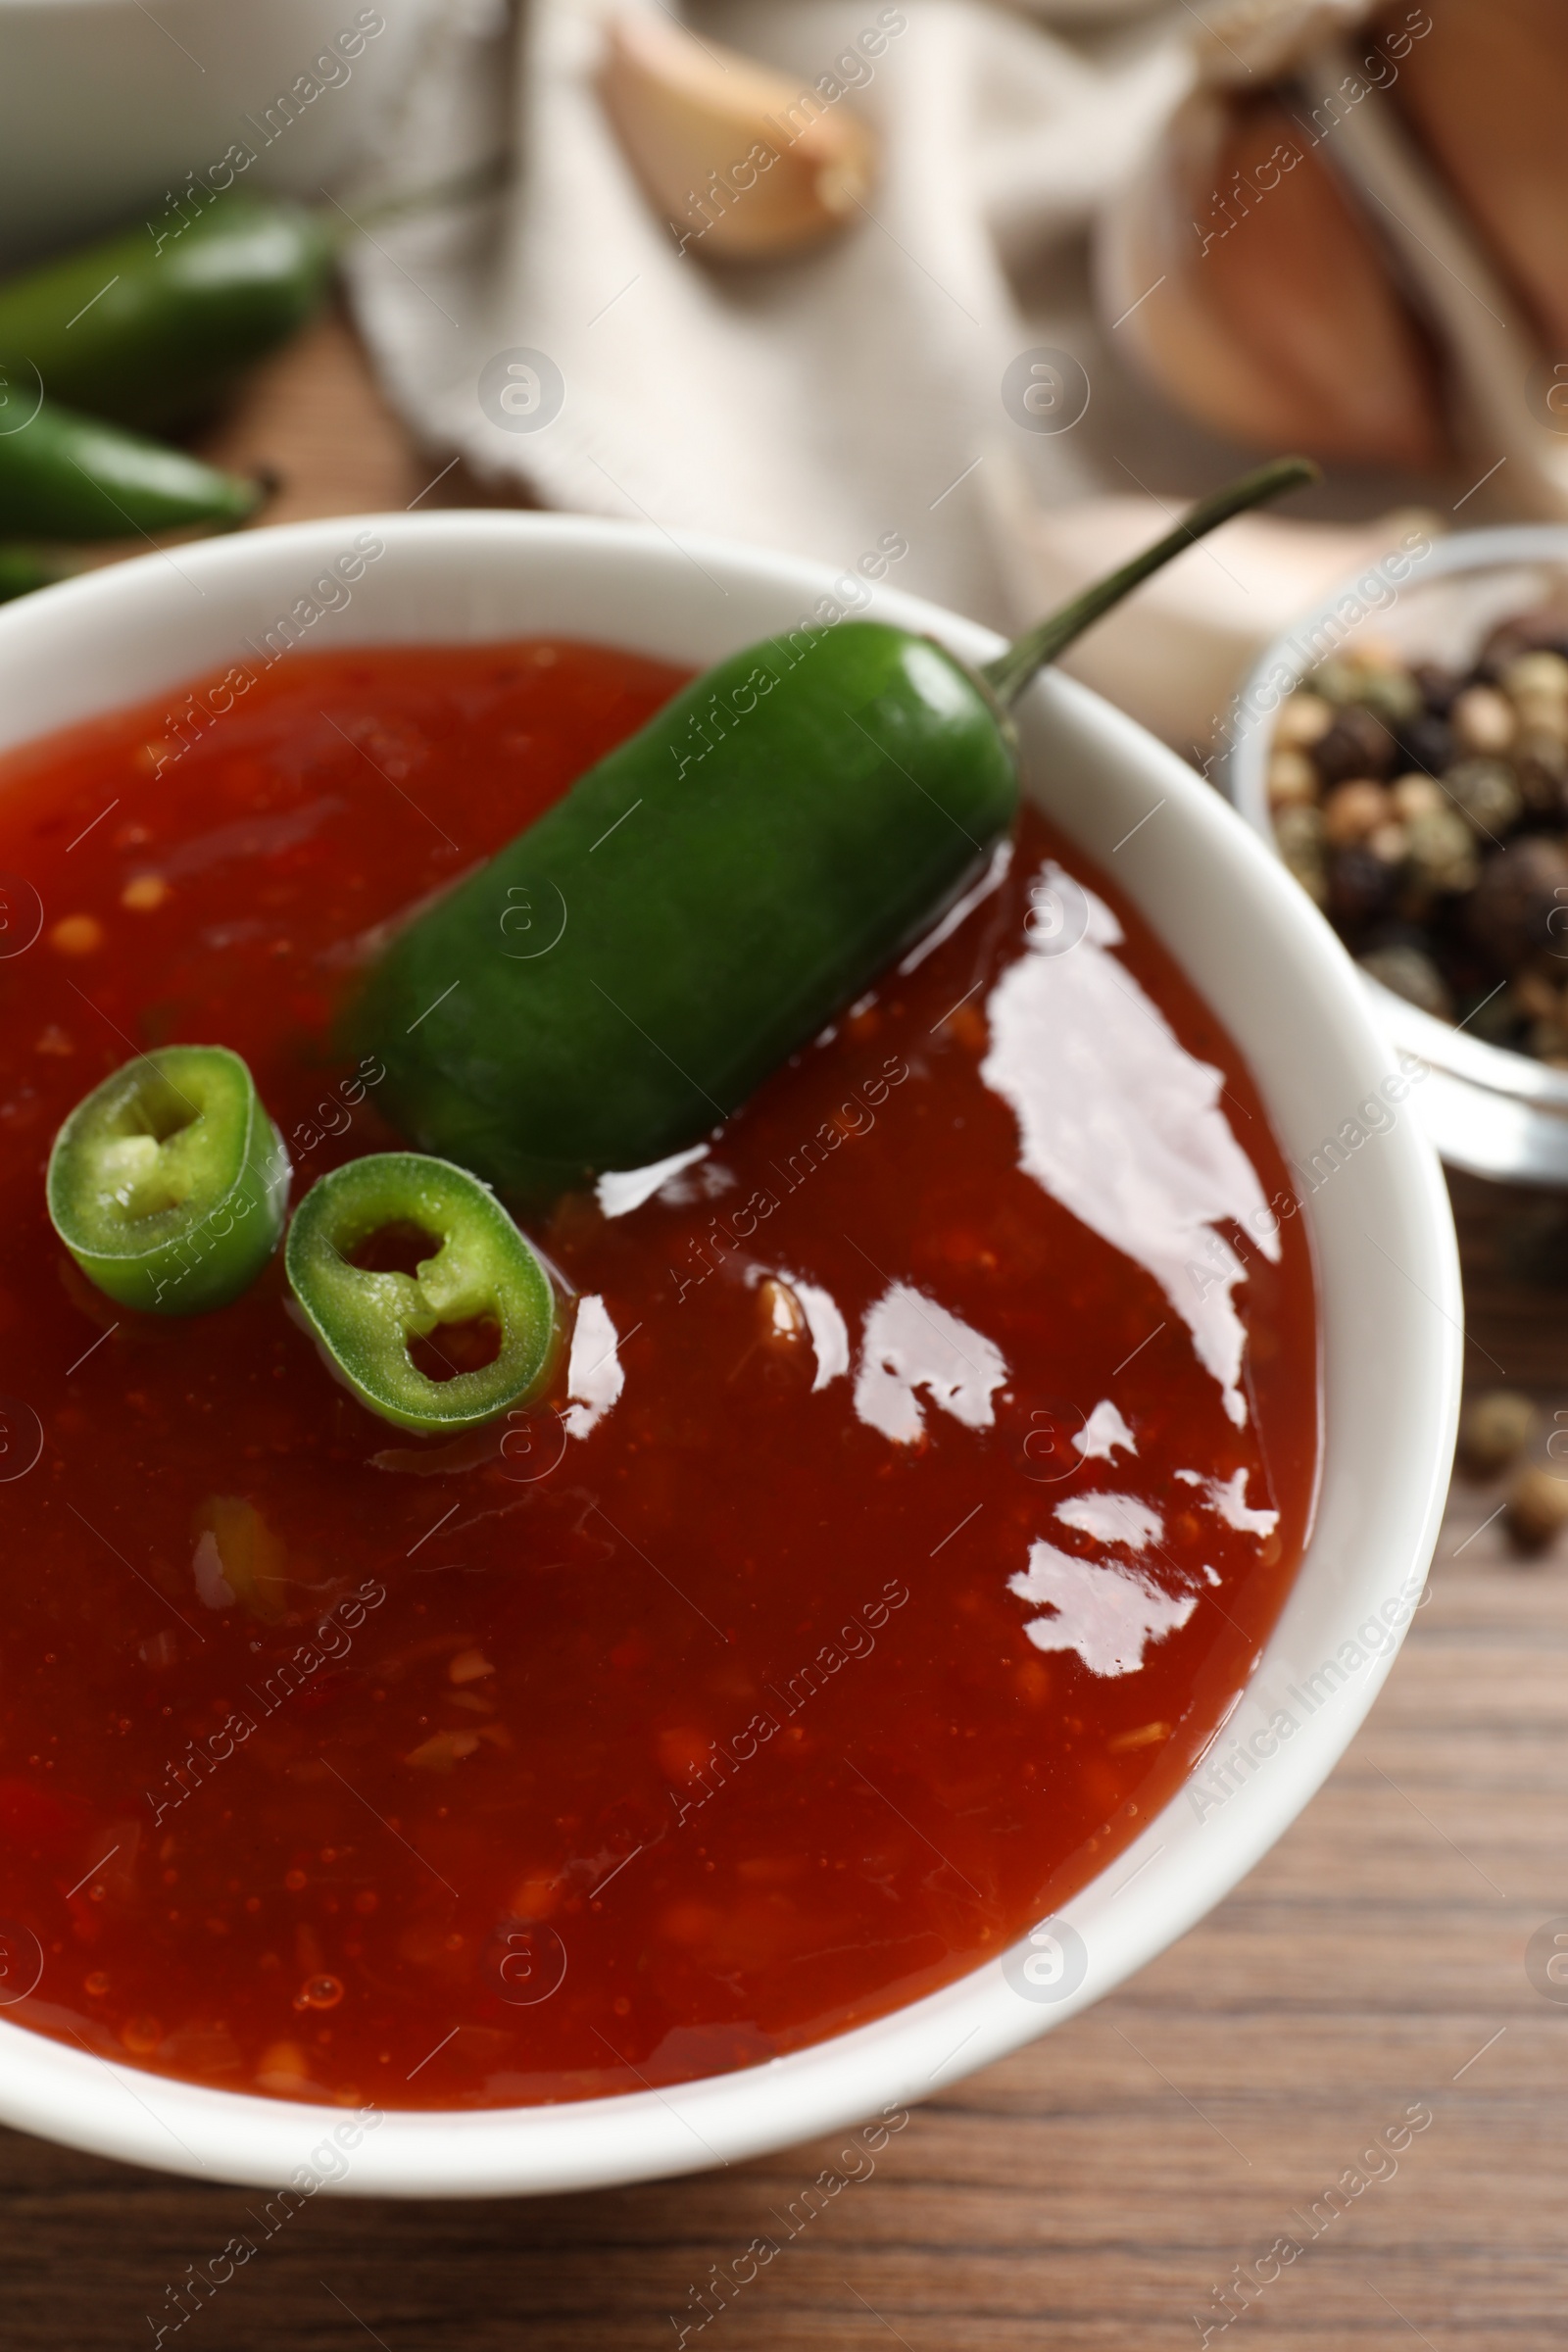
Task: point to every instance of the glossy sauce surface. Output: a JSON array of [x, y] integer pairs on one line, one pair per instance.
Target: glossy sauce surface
[[934, 1451]]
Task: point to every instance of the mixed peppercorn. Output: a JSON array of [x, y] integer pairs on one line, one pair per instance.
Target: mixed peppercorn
[[1426, 810], [1500, 1434]]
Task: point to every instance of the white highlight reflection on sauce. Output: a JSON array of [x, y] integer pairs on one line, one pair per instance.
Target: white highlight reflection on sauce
[[995, 875], [910, 1342], [1102, 1433], [1106, 1611], [595, 1377], [1120, 1519], [830, 1334], [1226, 1497], [621, 1190], [212, 1585], [1123, 1126]]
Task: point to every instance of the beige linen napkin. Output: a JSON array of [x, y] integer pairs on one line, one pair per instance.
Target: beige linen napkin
[[870, 393]]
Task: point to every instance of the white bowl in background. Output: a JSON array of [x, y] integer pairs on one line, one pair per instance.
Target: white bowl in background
[[1378, 1225], [1488, 1110], [106, 106]]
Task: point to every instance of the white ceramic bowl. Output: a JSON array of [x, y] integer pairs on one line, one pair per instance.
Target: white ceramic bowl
[[107, 106], [1488, 1110], [1378, 1225]]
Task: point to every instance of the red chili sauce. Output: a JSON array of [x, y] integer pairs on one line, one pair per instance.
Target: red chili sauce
[[897, 1535]]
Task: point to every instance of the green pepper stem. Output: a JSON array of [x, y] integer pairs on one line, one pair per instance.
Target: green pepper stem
[[1012, 671]]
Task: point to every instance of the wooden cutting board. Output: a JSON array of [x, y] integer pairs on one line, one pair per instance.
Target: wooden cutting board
[[1092, 2193]]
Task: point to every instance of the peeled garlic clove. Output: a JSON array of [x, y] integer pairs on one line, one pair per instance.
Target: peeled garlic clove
[[1253, 293], [744, 163]]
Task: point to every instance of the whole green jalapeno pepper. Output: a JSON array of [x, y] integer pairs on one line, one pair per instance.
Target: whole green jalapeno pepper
[[421, 1294], [168, 1184], [65, 476], [26, 569], [620, 977], [149, 327]]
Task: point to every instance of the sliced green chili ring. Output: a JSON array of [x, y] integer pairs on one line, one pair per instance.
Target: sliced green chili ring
[[169, 1185], [469, 1267]]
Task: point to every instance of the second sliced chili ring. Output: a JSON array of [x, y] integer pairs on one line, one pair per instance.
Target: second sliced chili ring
[[420, 1292]]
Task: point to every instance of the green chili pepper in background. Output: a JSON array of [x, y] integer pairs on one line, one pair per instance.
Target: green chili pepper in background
[[169, 1185], [623, 974], [150, 326], [25, 569], [395, 1257], [65, 476]]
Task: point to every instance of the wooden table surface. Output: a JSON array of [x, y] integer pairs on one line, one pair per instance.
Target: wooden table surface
[[1089, 2194]]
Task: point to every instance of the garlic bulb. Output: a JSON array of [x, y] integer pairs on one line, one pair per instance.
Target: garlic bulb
[[1506, 419], [1484, 94], [1253, 292], [742, 162], [1362, 261]]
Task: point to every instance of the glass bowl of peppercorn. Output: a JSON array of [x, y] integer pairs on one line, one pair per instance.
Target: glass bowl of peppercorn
[[1404, 749]]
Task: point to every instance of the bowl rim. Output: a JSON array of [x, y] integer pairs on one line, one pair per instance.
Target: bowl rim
[[1244, 771], [48, 2088]]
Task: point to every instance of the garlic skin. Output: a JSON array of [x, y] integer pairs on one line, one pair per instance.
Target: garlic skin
[[745, 163], [1253, 292], [1367, 260]]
